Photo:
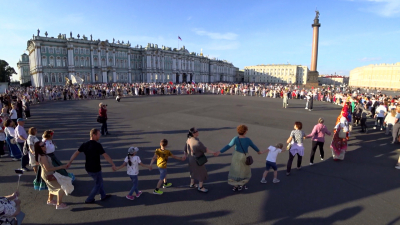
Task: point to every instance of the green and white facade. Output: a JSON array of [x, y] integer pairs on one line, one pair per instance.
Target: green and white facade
[[53, 59], [23, 67]]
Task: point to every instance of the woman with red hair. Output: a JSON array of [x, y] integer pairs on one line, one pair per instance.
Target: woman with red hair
[[341, 135]]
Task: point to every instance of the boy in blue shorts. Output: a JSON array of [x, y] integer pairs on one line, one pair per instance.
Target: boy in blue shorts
[[273, 152], [162, 155]]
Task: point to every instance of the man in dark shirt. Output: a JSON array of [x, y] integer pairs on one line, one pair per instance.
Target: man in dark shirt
[[92, 150]]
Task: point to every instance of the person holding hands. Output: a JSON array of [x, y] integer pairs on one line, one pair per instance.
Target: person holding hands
[[93, 150]]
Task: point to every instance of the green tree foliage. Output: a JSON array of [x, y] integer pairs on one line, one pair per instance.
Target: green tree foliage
[[6, 71]]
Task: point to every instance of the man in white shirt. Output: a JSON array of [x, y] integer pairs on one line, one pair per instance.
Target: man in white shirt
[[21, 136], [380, 114]]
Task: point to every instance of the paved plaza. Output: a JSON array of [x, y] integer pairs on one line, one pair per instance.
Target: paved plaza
[[362, 189]]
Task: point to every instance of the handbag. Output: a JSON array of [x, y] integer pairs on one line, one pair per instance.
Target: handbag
[[51, 177], [342, 134], [100, 119], [201, 160], [249, 159], [13, 141]]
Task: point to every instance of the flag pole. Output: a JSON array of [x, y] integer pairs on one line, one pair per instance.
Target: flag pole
[[178, 42]]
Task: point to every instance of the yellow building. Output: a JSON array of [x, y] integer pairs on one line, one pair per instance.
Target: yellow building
[[276, 73], [382, 76]]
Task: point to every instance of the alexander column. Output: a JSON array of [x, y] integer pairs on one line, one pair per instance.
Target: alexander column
[[312, 79]]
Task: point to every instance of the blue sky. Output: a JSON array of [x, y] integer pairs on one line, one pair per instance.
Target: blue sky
[[353, 33]]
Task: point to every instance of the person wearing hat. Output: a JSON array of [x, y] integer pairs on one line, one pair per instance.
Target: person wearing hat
[[133, 161], [21, 136]]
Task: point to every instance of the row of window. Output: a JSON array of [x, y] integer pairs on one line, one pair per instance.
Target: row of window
[[52, 50]]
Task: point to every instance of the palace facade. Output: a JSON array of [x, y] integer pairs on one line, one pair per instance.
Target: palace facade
[[382, 76], [53, 59], [276, 73], [333, 80]]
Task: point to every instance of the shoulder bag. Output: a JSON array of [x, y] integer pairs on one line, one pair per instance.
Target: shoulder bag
[[101, 119], [201, 160], [249, 159]]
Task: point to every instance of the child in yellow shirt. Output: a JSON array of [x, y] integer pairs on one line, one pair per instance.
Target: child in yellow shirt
[[162, 155]]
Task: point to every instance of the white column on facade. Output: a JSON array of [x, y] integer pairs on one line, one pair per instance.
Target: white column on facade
[[114, 75], [92, 65], [104, 72], [180, 78], [99, 58], [107, 57], [39, 56], [114, 58], [129, 60]]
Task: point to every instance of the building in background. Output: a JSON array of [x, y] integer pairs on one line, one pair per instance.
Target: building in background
[[333, 80], [23, 67], [276, 74], [95, 61], [381, 76], [239, 78]]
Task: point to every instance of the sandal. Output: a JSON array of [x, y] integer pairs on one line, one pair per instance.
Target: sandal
[[245, 187], [202, 189], [235, 189], [52, 202], [193, 186]]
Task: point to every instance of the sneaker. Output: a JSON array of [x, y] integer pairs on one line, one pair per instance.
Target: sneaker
[[167, 185], [310, 110], [24, 169], [311, 164], [245, 187], [275, 180], [366, 130], [240, 188], [15, 159], [374, 128], [105, 197], [89, 202], [306, 108], [2, 156], [52, 202], [130, 197], [381, 128], [322, 159], [263, 181], [157, 192], [62, 206], [139, 194]]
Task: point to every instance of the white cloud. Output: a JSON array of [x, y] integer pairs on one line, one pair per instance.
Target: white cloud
[[216, 36], [369, 59], [224, 46], [385, 8]]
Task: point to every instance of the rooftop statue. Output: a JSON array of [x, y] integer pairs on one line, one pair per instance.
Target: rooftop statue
[[316, 14], [38, 32]]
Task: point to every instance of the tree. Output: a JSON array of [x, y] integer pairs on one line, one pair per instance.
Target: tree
[[6, 71]]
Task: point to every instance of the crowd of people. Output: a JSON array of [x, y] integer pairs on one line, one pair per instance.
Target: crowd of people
[[51, 174]]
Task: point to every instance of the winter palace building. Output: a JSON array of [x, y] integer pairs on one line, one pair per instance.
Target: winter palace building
[[53, 59]]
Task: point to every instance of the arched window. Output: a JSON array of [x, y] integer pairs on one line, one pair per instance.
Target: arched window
[[82, 61], [64, 61], [60, 79], [76, 61], [87, 61], [58, 62], [96, 61], [87, 77], [51, 61], [117, 76], [103, 62], [110, 62], [53, 78], [46, 78], [96, 77], [117, 63], [44, 61]]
